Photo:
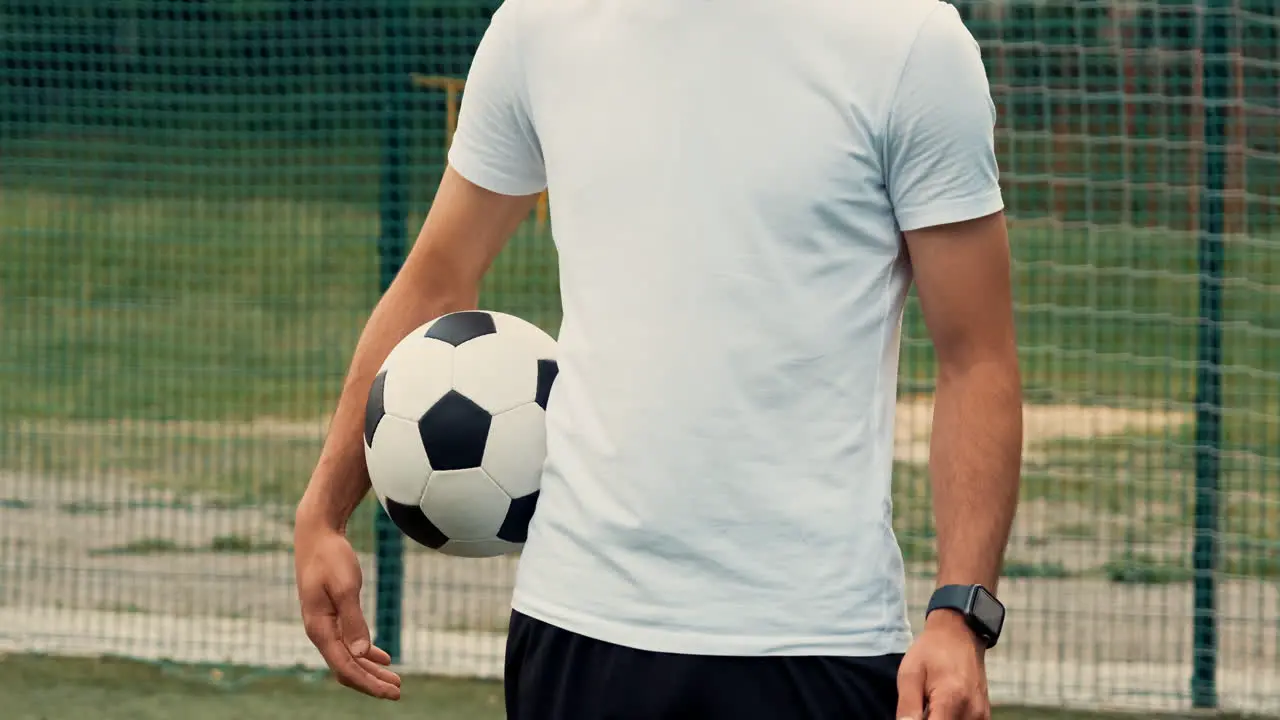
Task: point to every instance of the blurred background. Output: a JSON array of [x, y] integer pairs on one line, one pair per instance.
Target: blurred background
[[200, 201]]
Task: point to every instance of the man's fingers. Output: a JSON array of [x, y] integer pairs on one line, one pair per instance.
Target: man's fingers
[[384, 674], [351, 622], [948, 703], [976, 707], [328, 580], [911, 693], [348, 671], [323, 632], [378, 655]]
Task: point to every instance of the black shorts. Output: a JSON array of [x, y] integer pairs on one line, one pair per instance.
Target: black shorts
[[553, 674]]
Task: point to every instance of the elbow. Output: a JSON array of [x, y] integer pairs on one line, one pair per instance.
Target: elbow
[[442, 284], [996, 368], [989, 388]]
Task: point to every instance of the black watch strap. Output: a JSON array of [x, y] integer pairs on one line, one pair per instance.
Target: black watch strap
[[950, 597], [961, 599]]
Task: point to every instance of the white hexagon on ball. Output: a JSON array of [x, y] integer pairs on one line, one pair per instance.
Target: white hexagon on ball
[[526, 334], [419, 372], [516, 449], [492, 375], [396, 458], [465, 504]]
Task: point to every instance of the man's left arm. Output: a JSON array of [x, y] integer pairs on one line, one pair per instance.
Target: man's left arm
[[962, 276], [943, 181]]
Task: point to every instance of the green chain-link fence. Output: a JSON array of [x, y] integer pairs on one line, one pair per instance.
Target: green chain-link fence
[[199, 202]]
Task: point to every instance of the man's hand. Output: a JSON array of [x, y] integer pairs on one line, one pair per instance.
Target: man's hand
[[328, 576], [943, 676]]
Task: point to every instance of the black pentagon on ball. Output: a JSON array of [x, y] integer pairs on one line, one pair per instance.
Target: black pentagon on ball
[[459, 327], [454, 431], [547, 371], [515, 527], [374, 408], [415, 524]]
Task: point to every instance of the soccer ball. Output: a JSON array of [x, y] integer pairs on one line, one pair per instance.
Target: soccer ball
[[455, 435]]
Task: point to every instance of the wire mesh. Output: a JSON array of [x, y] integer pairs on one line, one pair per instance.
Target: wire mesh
[[190, 208]]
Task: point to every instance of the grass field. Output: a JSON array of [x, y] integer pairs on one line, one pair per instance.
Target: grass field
[[38, 688], [155, 308], [123, 309]]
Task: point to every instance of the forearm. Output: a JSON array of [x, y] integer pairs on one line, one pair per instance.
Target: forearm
[[341, 480], [975, 460]]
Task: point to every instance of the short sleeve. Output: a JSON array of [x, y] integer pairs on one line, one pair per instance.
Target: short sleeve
[[495, 145], [940, 160]]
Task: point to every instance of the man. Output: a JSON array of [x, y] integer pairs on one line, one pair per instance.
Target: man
[[742, 192]]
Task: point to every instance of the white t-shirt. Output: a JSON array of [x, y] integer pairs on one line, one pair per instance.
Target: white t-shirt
[[729, 180]]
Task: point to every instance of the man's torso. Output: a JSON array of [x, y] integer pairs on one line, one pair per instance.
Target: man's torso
[[720, 433]]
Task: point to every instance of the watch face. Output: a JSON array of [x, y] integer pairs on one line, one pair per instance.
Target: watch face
[[988, 611]]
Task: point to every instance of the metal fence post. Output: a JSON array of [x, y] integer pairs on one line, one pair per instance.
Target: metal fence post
[[393, 207], [1217, 84]]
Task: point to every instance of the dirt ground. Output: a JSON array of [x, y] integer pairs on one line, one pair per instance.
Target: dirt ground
[[1041, 423]]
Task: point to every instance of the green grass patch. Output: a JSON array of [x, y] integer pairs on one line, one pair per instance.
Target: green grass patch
[[1075, 531], [1234, 561], [86, 507], [242, 545], [1144, 569], [912, 501], [142, 546], [1016, 569], [918, 548], [233, 467], [229, 469], [219, 307], [201, 309], [1253, 565], [232, 544], [1139, 487], [1107, 314], [1145, 484], [43, 688], [1151, 481], [46, 688]]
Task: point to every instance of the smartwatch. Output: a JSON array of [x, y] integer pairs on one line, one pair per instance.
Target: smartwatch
[[982, 612]]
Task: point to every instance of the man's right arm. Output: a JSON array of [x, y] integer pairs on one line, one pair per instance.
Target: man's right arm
[[464, 231]]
